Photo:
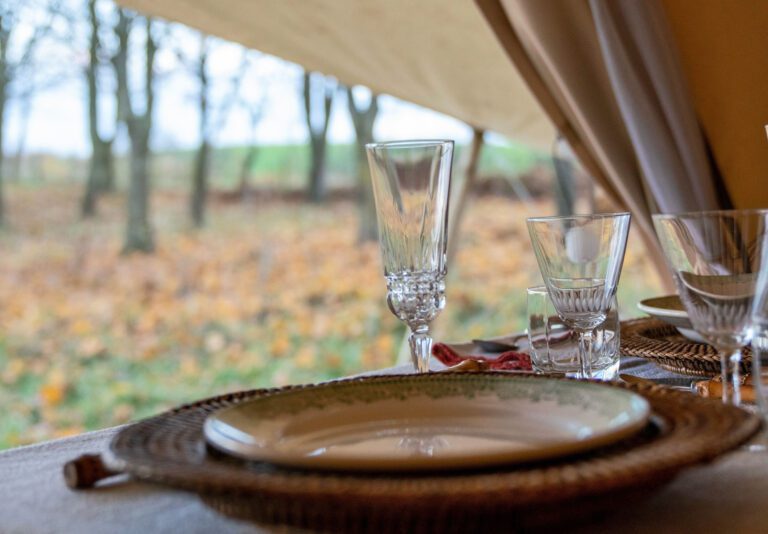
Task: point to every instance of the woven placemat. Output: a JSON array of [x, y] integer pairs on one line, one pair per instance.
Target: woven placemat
[[661, 343], [686, 430]]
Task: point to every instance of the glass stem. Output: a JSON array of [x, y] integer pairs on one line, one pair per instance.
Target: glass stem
[[757, 380], [729, 363], [585, 354], [421, 348]]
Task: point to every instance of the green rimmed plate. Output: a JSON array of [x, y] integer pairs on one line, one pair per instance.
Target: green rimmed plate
[[417, 423]]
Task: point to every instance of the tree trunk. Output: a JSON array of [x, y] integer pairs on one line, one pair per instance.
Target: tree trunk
[[25, 109], [202, 160], [246, 169], [318, 134], [2, 156], [368, 227], [363, 119], [565, 186], [100, 173], [200, 184], [317, 190], [138, 236], [138, 233], [4, 80], [459, 206]]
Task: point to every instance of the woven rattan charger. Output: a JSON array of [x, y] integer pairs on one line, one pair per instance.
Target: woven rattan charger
[[662, 344], [686, 430]]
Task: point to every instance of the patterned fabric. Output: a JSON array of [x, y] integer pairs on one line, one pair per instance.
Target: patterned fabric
[[508, 361]]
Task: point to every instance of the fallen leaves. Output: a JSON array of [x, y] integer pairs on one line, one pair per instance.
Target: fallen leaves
[[276, 294]]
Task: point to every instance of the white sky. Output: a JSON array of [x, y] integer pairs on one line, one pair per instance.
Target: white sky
[[57, 123]]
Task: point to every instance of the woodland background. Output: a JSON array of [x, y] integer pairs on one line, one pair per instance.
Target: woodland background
[[136, 275]]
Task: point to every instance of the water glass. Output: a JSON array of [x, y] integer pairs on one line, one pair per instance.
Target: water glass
[[580, 259], [716, 258], [554, 347]]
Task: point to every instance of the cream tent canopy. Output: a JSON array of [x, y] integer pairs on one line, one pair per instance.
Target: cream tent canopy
[[436, 53]]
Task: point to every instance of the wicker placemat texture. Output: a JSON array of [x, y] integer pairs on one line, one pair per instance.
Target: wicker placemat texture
[[661, 343], [686, 430]]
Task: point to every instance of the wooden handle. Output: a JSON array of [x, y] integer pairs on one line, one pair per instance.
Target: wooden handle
[[467, 366], [714, 388], [85, 471]]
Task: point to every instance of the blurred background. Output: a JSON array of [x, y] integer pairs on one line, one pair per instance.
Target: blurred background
[[182, 216]]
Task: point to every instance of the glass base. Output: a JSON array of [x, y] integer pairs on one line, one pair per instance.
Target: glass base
[[609, 372]]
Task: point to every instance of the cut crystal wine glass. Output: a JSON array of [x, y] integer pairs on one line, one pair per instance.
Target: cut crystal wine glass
[[580, 259], [411, 187], [716, 257]]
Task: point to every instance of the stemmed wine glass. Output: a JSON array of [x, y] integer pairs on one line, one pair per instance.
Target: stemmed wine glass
[[411, 185], [580, 259], [716, 258]]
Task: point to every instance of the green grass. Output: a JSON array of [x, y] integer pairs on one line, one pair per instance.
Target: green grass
[[278, 166]]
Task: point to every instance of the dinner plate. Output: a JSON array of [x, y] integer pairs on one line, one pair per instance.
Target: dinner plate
[[456, 421], [670, 309]]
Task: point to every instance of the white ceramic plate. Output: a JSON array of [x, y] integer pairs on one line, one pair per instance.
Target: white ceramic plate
[[670, 309], [434, 421]]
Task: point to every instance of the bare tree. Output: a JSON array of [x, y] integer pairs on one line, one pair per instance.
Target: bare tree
[[363, 119], [25, 110], [101, 173], [138, 236], [17, 66], [318, 103], [211, 118], [255, 111], [203, 157]]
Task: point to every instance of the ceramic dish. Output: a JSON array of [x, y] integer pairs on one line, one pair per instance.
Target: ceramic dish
[[683, 431], [670, 309], [413, 424]]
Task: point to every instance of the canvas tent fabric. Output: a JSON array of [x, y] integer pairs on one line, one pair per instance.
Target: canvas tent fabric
[[724, 48], [437, 54], [633, 85], [557, 49], [610, 75]]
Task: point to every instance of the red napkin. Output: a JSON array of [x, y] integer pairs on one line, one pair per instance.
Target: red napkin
[[507, 361]]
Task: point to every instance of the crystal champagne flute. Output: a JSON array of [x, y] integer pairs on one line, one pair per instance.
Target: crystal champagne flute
[[580, 259], [411, 185]]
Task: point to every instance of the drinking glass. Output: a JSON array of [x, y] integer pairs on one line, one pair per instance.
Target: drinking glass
[[715, 257], [580, 259], [554, 347], [411, 186]]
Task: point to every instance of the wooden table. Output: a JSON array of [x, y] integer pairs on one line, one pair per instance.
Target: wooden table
[[730, 495]]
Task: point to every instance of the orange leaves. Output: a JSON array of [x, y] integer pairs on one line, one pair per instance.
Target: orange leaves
[[267, 296], [280, 345], [81, 327], [54, 389]]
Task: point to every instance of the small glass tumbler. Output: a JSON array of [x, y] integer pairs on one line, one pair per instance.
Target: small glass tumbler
[[554, 347]]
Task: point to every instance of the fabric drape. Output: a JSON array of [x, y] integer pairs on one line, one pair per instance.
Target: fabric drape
[[607, 74]]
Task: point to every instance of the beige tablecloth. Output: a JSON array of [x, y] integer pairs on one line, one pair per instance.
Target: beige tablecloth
[[729, 496]]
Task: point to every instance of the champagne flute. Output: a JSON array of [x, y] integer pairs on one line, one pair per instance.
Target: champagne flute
[[411, 186], [716, 257], [580, 259]]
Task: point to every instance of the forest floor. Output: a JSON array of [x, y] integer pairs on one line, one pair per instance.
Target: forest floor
[[269, 293]]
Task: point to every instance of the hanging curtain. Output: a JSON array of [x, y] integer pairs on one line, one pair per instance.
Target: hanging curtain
[[607, 74]]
